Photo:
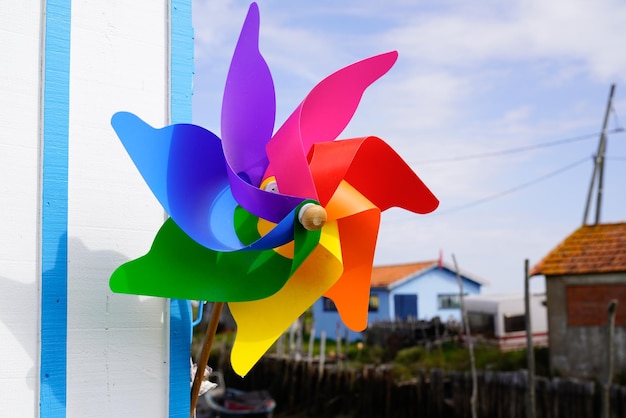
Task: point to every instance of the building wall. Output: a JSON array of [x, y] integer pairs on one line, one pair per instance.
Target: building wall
[[427, 287], [330, 323], [576, 350], [74, 208]]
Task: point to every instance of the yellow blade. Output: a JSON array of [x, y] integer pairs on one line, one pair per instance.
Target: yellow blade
[[261, 322]]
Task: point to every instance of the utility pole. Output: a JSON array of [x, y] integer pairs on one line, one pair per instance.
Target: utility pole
[[598, 167], [470, 344]]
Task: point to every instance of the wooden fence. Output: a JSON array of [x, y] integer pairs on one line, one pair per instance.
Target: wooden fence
[[302, 390], [396, 335]]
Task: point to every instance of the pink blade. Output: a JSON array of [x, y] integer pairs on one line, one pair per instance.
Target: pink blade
[[321, 117]]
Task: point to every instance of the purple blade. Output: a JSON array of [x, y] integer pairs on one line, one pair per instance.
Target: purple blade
[[249, 105], [273, 207]]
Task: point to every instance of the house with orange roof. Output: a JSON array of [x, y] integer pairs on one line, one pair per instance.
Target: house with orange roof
[[421, 290], [583, 274]]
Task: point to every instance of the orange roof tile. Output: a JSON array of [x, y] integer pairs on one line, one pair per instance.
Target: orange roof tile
[[590, 249], [383, 276]]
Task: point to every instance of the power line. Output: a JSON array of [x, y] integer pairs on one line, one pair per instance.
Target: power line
[[516, 188], [512, 150]]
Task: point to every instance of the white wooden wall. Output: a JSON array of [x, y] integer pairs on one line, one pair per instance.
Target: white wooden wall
[[117, 358], [19, 207]]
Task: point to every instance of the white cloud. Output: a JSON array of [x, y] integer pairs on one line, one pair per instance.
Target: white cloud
[[216, 27], [573, 32]]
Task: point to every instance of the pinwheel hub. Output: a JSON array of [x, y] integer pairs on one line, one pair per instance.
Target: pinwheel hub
[[312, 216], [270, 185]]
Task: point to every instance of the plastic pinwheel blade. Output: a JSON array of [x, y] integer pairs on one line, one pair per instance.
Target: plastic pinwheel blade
[[248, 96], [356, 179], [321, 117], [185, 168], [261, 322], [373, 168], [358, 220], [178, 267]]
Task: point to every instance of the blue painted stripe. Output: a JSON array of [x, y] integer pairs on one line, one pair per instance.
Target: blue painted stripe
[[181, 61], [53, 378], [180, 340], [181, 79]]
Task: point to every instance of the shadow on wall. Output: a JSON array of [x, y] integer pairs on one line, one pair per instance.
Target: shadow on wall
[[101, 325]]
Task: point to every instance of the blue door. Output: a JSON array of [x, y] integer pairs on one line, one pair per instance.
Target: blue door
[[405, 306]]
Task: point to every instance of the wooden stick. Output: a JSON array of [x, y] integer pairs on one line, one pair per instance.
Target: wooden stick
[[216, 313]]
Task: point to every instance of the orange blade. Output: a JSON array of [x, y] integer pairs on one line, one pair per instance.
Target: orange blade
[[358, 221]]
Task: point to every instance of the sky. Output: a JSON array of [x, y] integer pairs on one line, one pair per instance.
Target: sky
[[496, 105]]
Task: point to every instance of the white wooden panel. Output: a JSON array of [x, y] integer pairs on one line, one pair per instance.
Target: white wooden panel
[[19, 179], [117, 344]]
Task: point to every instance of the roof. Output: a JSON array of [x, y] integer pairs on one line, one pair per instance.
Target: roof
[[393, 275], [590, 249], [384, 276]]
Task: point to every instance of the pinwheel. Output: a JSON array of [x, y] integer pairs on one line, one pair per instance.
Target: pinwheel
[[268, 222]]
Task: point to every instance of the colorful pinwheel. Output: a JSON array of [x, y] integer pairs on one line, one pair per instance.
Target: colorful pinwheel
[[234, 233]]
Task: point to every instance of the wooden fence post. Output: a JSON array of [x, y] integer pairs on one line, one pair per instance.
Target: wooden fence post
[[606, 387], [322, 353], [311, 344], [470, 344], [530, 350]]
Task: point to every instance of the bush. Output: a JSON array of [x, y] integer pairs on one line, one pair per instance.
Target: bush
[[455, 356], [410, 355]]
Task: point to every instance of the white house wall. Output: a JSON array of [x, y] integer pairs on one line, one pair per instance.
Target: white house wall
[[110, 356], [19, 208], [427, 287], [119, 61]]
